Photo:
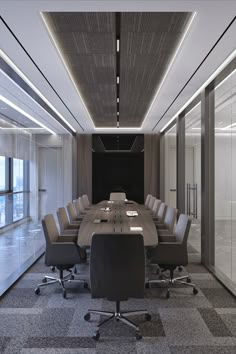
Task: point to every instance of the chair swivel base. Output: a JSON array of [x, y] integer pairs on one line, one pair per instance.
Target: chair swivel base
[[119, 316], [69, 278], [170, 281]]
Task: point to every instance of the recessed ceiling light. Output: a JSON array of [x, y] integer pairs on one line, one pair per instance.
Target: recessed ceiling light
[[117, 45]]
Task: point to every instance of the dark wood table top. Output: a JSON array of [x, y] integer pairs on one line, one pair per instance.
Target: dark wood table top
[[111, 217]]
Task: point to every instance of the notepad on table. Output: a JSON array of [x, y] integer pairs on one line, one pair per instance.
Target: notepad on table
[[136, 228], [131, 213]]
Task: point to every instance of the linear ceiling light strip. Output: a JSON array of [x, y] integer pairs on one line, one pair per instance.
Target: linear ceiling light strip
[[170, 65], [17, 80], [198, 91], [18, 109], [118, 19], [32, 60]]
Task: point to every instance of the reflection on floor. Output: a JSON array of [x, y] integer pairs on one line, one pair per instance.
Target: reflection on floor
[[19, 248], [183, 324], [225, 245]]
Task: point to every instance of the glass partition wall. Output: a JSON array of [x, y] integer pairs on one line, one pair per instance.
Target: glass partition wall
[[225, 177], [193, 173], [170, 167]]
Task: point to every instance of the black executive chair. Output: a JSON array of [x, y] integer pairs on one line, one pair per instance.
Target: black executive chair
[[61, 252], [172, 254], [117, 272]]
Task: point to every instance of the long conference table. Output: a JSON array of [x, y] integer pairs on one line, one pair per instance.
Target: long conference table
[[117, 216]]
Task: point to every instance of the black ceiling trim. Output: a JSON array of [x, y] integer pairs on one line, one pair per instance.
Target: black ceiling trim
[[204, 59], [32, 60]]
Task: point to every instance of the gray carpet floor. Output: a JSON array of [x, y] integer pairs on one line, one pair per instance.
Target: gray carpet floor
[[184, 323]]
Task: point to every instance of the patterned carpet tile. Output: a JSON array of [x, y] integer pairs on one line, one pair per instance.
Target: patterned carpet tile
[[184, 323], [219, 297], [3, 343], [202, 350], [214, 322], [60, 342]]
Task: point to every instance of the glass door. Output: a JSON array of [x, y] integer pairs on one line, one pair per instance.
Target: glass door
[[225, 178], [170, 167], [193, 174]]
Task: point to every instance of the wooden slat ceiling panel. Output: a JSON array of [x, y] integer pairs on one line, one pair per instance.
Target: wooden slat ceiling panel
[[148, 42], [88, 44]]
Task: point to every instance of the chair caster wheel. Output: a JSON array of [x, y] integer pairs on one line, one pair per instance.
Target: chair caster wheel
[[37, 291], [64, 293], [195, 291], [85, 285], [180, 269], [44, 280], [148, 317], [168, 294], [87, 316], [147, 285], [188, 280], [138, 335], [53, 269], [96, 336]]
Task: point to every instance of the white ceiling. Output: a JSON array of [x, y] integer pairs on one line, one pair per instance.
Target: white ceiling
[[23, 18]]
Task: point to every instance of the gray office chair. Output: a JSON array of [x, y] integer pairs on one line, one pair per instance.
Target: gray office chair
[[167, 227], [171, 254], [61, 252], [81, 206], [117, 272], [85, 201], [160, 216], [77, 210], [156, 206], [147, 200], [72, 214], [151, 202], [117, 196], [65, 225]]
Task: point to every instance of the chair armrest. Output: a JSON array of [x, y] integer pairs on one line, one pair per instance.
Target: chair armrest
[[166, 238], [67, 238], [69, 233]]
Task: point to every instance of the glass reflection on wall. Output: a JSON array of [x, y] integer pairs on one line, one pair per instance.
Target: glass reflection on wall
[[170, 167], [193, 173], [225, 177]]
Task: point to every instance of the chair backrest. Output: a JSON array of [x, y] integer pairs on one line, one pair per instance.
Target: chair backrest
[[81, 205], [76, 206], [50, 229], [62, 219], [170, 218], [147, 200], [182, 228], [117, 266], [151, 202], [71, 212], [162, 212], [156, 206], [85, 200], [117, 196]]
